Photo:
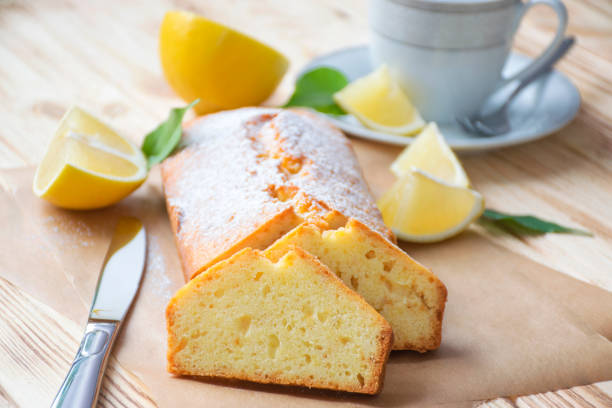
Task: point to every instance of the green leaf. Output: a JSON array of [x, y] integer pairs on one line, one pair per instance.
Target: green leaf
[[526, 224], [162, 141], [316, 88]]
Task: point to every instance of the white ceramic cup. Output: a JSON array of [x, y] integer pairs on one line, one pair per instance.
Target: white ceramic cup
[[448, 55]]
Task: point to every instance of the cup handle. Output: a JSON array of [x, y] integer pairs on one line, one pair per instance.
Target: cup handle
[[536, 64]]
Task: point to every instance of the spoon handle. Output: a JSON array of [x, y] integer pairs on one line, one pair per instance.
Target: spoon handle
[[549, 62], [504, 95]]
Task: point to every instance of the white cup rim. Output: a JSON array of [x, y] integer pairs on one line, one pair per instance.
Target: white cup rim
[[399, 21], [457, 6]]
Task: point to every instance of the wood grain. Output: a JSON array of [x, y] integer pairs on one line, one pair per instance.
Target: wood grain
[[587, 396], [103, 56], [37, 346]]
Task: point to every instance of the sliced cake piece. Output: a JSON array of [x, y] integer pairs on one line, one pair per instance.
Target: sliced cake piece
[[290, 322], [406, 293]]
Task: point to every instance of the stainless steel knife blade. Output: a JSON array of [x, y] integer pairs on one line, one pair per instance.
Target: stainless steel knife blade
[[121, 271], [118, 283]]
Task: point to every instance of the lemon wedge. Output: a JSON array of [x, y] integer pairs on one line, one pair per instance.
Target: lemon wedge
[[423, 208], [430, 153], [380, 104], [88, 165], [222, 67]]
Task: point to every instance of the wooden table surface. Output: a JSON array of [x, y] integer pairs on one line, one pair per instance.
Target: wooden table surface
[[103, 56]]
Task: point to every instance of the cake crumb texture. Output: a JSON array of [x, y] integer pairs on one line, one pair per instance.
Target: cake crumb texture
[[287, 322], [407, 294]]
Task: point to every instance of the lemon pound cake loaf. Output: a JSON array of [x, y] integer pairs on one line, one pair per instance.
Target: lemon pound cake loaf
[[244, 178], [291, 322], [407, 294]]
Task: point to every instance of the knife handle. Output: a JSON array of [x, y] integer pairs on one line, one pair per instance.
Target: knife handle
[[82, 383]]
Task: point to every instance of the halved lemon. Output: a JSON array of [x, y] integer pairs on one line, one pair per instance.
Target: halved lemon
[[430, 153], [222, 67], [423, 208], [380, 104], [88, 165]]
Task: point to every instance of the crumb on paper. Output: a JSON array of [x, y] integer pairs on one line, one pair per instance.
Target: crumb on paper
[[156, 270], [69, 232]]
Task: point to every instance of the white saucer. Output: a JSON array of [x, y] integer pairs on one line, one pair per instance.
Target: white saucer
[[539, 110]]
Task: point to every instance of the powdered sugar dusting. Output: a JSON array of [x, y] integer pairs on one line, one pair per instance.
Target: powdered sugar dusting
[[216, 186], [223, 184], [330, 172], [68, 231], [156, 270]]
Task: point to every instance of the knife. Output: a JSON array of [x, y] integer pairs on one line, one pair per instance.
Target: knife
[[118, 283]]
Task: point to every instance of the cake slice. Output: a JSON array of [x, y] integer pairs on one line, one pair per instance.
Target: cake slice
[[291, 322], [407, 294]]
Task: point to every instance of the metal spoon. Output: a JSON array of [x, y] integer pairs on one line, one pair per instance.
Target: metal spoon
[[496, 121]]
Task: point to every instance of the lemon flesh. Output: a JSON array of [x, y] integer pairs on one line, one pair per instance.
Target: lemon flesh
[[430, 153], [422, 208], [225, 69], [88, 165], [380, 104]]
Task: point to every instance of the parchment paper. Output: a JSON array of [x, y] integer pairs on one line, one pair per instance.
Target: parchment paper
[[511, 327]]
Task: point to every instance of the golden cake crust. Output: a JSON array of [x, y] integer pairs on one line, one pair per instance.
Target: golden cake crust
[[245, 177]]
